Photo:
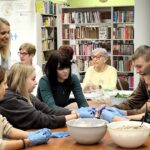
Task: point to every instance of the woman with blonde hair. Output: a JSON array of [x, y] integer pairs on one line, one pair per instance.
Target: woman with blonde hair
[[25, 111], [4, 42], [19, 139]]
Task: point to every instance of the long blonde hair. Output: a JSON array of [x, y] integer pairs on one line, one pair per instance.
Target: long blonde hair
[[5, 51], [17, 78]]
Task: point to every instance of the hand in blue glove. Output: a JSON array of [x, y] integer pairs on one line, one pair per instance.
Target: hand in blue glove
[[59, 134], [86, 112], [114, 109], [44, 130], [101, 108], [108, 114], [92, 110], [39, 137]]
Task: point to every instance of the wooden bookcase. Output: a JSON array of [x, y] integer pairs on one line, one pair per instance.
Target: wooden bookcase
[[48, 27], [123, 42], [109, 27]]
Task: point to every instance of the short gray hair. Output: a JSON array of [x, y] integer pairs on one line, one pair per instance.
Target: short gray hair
[[102, 51]]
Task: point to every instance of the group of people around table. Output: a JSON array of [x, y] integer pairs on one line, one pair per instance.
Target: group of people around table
[[24, 111]]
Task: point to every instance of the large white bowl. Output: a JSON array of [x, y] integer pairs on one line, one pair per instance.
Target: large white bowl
[[125, 133], [87, 130]]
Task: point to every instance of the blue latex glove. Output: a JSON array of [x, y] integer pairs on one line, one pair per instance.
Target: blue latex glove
[[86, 112], [102, 107], [44, 130], [39, 137], [59, 134], [114, 109], [108, 114]]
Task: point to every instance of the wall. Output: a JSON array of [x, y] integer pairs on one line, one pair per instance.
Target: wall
[[90, 3], [21, 16], [141, 27]]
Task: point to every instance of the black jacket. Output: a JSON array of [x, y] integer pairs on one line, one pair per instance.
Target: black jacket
[[22, 115]]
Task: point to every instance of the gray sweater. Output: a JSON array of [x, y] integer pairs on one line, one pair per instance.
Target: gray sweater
[[22, 115]]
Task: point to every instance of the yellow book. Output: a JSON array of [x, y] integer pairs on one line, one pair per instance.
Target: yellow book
[[40, 6]]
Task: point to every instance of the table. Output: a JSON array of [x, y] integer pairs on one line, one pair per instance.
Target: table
[[110, 93], [67, 143]]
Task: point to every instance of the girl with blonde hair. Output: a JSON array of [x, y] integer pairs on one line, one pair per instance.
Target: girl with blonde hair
[[25, 111], [19, 139]]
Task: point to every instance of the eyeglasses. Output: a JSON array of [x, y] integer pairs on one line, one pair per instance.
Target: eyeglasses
[[96, 57], [23, 53]]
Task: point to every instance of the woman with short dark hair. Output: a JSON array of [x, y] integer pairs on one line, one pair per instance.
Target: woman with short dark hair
[[68, 50]]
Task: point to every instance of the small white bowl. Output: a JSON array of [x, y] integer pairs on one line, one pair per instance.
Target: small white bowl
[[87, 130], [129, 134]]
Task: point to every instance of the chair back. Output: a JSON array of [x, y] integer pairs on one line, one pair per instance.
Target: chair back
[[122, 84]]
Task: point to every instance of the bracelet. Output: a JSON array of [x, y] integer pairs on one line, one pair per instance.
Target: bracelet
[[24, 144]]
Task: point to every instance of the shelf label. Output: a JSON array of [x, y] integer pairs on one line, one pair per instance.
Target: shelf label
[[72, 26], [72, 42]]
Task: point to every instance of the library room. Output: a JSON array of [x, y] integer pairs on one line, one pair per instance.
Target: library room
[[74, 74]]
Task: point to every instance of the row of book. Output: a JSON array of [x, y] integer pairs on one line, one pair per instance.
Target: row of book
[[123, 48], [129, 78], [82, 17], [83, 63], [122, 16], [84, 32], [45, 7], [131, 82], [86, 48], [47, 45], [48, 21], [47, 33], [123, 64], [126, 32]]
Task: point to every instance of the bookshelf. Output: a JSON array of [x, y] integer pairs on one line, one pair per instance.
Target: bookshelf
[[48, 28], [109, 27], [123, 42], [86, 29]]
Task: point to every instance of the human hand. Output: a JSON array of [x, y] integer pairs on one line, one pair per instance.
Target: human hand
[[59, 134], [89, 87], [99, 109], [39, 137], [109, 113], [114, 109], [44, 130], [86, 112]]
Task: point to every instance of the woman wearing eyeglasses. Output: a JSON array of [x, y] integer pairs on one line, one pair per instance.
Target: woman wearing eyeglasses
[[26, 54], [100, 74]]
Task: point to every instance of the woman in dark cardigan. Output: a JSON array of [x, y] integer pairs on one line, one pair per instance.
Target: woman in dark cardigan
[[55, 87]]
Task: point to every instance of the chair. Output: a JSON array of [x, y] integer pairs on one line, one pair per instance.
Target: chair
[[122, 84]]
